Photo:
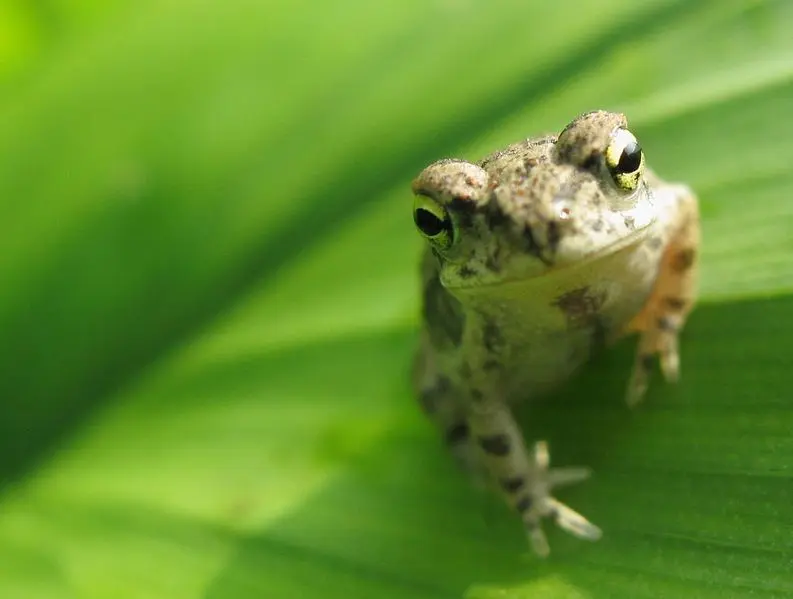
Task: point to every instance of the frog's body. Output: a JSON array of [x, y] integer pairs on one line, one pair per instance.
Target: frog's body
[[538, 256]]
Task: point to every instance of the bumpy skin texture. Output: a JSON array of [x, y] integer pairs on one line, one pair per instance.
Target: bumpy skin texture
[[551, 260]]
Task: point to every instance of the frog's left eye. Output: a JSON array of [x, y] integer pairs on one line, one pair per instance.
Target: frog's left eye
[[433, 221], [625, 159]]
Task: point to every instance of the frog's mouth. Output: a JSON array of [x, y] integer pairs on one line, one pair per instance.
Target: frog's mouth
[[625, 243], [529, 268], [637, 222]]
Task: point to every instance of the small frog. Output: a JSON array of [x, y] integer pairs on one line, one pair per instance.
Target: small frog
[[537, 257]]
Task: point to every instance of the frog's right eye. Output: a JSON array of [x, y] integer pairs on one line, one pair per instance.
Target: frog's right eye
[[433, 221]]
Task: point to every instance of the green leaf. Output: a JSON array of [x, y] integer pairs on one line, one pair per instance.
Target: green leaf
[[210, 303]]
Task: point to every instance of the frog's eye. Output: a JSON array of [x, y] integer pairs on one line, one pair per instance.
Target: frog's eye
[[433, 221], [625, 159]]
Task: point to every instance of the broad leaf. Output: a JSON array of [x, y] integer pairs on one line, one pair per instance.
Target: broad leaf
[[210, 303]]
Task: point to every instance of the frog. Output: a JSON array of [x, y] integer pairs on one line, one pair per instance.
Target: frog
[[535, 259]]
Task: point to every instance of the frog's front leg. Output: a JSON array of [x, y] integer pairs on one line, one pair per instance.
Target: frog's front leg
[[523, 478], [673, 296], [440, 400]]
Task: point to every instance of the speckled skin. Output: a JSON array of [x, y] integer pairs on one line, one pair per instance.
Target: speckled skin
[[551, 261]]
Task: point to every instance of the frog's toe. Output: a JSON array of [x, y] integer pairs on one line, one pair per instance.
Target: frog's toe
[[561, 477], [540, 504], [660, 344], [556, 477], [537, 539], [573, 522], [670, 360], [565, 517], [637, 385]]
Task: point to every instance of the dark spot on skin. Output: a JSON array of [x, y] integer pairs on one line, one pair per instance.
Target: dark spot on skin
[[531, 162], [495, 217], [443, 315], [491, 337], [590, 162], [666, 324], [647, 361], [465, 220], [462, 205], [512, 485], [466, 272], [683, 260], [465, 209], [523, 505], [497, 445], [675, 304], [580, 307], [597, 226], [655, 243], [457, 433]]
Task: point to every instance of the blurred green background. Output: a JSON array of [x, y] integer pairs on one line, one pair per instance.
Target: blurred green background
[[209, 299]]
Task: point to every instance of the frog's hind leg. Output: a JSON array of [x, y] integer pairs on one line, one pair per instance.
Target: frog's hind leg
[[672, 298]]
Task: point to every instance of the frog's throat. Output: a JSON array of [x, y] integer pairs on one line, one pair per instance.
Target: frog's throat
[[625, 244]]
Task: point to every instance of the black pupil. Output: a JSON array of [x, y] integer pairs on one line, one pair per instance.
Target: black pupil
[[631, 158], [429, 224]]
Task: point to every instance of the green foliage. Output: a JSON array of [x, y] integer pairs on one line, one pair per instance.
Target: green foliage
[[210, 303]]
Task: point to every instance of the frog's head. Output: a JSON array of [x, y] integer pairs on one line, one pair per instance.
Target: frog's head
[[538, 205]]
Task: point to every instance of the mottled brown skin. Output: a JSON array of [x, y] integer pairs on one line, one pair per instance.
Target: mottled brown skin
[[556, 247]]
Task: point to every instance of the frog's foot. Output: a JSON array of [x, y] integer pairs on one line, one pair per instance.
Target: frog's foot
[[660, 341], [535, 502], [672, 298]]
